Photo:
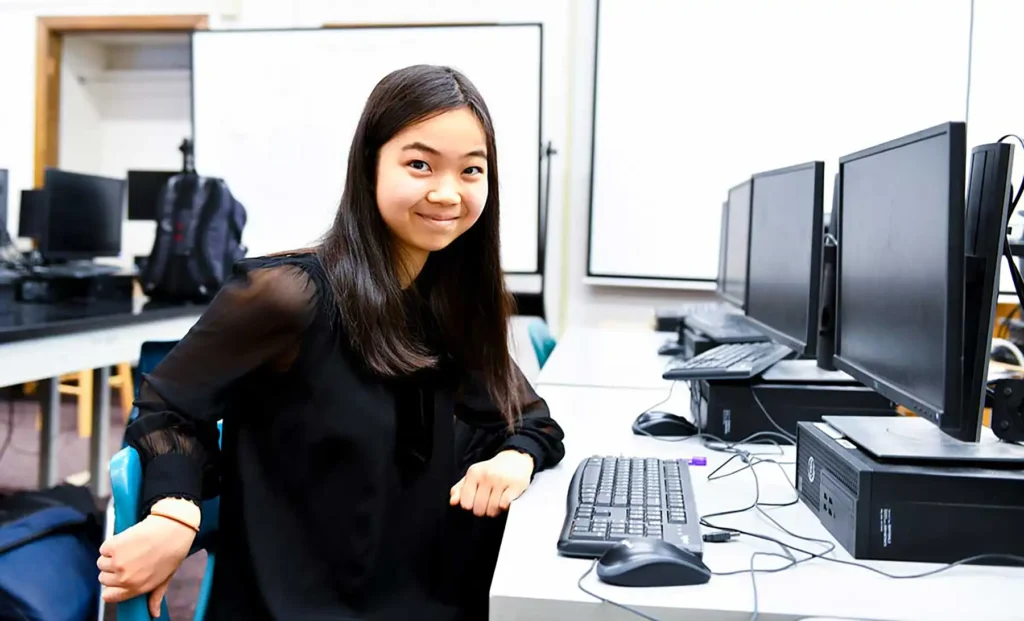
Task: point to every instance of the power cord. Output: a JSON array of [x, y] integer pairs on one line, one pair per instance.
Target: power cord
[[788, 549], [720, 534], [605, 600]]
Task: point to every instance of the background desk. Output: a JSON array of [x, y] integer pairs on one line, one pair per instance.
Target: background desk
[[533, 583], [43, 342], [608, 358]]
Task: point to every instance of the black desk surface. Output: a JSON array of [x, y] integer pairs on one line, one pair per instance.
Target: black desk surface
[[21, 322]]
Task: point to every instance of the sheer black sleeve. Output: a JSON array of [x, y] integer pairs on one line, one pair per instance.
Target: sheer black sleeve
[[537, 434], [258, 318]]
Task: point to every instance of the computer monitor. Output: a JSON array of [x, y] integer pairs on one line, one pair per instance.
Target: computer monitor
[[917, 293], [3, 202], [84, 216], [734, 287], [783, 281], [144, 190], [723, 240], [32, 215], [900, 270]]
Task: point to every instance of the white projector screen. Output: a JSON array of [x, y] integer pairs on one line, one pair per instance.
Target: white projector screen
[[691, 98], [274, 112]]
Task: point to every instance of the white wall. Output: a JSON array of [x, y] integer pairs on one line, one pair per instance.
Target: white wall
[[994, 104], [80, 118]]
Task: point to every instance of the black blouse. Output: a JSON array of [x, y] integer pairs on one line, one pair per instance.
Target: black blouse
[[333, 483]]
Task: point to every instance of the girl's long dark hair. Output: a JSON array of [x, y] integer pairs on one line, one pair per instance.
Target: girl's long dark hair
[[466, 295]]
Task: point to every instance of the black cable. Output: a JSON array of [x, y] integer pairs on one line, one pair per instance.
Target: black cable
[[630, 609], [830, 546], [757, 400], [671, 387]]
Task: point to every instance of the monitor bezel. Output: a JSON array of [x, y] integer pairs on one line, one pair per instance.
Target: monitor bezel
[[952, 397], [728, 297], [809, 342], [723, 237]]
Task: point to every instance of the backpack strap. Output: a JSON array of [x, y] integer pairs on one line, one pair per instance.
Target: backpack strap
[[38, 525]]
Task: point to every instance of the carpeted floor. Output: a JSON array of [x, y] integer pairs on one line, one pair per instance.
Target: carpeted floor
[[19, 467]]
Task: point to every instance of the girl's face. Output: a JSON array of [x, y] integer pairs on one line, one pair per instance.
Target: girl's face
[[432, 182]]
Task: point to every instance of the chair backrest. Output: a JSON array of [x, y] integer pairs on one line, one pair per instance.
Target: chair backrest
[[543, 342], [126, 491], [150, 355]]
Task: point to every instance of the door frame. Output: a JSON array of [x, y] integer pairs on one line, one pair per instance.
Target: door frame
[[50, 33]]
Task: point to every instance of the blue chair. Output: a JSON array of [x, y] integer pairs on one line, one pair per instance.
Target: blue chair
[[150, 355], [543, 342], [126, 488]]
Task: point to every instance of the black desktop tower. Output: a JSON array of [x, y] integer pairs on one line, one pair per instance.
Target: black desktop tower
[[906, 512], [728, 409], [694, 343], [107, 292]]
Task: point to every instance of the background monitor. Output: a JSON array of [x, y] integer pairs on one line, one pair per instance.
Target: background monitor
[[144, 190], [84, 216], [734, 288], [32, 215], [3, 202], [722, 248], [784, 278], [899, 278]]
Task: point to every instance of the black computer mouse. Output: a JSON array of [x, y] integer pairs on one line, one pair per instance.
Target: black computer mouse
[[651, 562], [657, 423]]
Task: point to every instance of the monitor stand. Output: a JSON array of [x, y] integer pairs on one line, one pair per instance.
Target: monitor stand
[[916, 440]]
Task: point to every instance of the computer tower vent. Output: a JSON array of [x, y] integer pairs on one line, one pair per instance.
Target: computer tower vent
[[813, 457]]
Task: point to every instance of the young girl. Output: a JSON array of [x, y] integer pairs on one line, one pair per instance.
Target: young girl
[[339, 374]]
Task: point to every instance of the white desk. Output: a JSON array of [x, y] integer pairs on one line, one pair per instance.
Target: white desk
[[533, 583], [609, 358], [46, 358]]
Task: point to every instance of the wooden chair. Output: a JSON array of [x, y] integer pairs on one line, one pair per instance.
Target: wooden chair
[[81, 387]]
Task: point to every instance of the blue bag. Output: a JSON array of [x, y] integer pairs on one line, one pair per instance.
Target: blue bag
[[49, 543]]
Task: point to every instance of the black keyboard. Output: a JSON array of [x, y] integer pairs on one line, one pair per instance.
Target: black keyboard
[[616, 498], [77, 271], [726, 328], [734, 361]]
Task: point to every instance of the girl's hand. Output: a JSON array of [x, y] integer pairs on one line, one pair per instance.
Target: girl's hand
[[489, 487], [143, 558]]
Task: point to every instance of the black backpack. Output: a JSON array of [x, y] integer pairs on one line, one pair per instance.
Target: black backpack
[[198, 240]]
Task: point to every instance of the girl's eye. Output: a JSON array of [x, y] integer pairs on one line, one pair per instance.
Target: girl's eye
[[474, 170], [419, 165]]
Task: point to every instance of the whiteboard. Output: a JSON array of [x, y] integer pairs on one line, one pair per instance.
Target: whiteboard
[[691, 98], [275, 110]]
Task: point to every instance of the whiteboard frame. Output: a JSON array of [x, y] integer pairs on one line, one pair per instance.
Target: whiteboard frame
[[541, 208], [628, 280]]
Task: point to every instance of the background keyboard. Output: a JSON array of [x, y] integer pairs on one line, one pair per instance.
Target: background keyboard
[[616, 498], [735, 361]]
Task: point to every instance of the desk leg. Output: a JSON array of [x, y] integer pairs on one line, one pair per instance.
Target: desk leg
[[99, 449], [49, 401]]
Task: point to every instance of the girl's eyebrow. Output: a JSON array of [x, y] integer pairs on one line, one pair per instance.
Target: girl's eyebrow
[[419, 146]]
